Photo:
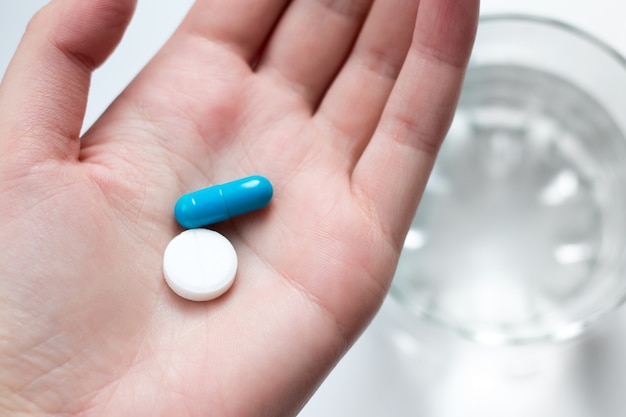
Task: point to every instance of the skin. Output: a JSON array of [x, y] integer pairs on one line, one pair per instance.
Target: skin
[[342, 104]]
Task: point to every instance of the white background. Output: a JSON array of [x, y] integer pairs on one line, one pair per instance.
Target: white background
[[421, 372]]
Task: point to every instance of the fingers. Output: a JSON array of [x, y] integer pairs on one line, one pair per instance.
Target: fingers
[[44, 93], [240, 25], [311, 43], [355, 101], [392, 172]]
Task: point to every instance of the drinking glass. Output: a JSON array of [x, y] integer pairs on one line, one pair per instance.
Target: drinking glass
[[520, 234]]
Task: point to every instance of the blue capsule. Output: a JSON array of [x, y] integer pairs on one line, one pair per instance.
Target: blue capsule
[[221, 202]]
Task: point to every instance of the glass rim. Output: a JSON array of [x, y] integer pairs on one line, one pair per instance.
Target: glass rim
[[557, 24]]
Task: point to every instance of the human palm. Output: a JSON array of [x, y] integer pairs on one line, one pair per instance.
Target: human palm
[[340, 109]]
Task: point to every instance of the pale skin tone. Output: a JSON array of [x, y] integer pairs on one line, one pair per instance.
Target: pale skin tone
[[341, 104]]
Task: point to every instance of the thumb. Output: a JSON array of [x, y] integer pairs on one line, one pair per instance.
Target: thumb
[[44, 93]]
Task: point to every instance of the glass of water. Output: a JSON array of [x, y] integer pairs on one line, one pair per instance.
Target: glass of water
[[521, 232]]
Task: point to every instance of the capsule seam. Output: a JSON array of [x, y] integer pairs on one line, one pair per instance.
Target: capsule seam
[[224, 202]]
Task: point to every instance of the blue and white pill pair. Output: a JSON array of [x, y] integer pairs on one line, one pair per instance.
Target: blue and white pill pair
[[201, 264]]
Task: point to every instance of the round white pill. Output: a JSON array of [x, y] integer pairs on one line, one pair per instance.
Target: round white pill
[[200, 264]]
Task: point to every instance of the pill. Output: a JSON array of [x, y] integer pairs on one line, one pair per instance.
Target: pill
[[200, 264], [221, 202]]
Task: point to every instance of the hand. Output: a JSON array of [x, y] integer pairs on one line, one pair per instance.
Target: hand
[[343, 110]]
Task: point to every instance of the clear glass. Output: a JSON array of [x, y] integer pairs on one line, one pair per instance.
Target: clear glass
[[520, 235]]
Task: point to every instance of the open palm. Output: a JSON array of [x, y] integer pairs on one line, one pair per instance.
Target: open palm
[[341, 104]]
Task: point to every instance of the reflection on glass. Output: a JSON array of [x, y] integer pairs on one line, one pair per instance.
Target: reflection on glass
[[520, 233]]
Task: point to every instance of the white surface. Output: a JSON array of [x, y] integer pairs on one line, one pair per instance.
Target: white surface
[[400, 368], [200, 264]]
